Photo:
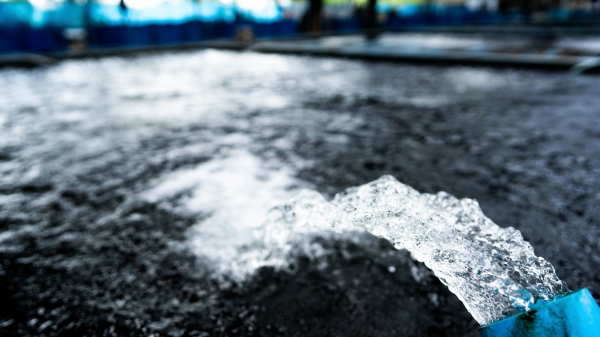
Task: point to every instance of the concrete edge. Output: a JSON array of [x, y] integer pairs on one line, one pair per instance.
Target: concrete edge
[[29, 60], [426, 56]]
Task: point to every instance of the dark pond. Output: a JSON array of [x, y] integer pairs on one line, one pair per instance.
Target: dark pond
[[126, 184]]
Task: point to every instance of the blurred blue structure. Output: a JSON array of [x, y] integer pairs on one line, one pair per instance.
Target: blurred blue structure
[[26, 28]]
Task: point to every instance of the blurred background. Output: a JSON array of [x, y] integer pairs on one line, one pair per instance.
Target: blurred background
[[143, 142], [44, 26]]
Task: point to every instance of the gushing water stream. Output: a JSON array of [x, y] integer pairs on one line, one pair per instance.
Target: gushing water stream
[[493, 271]]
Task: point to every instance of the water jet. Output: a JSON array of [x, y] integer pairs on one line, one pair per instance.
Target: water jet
[[509, 290]]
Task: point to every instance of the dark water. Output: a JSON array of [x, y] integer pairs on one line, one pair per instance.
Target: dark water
[[126, 184]]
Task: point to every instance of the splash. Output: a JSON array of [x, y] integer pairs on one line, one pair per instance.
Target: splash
[[492, 270]]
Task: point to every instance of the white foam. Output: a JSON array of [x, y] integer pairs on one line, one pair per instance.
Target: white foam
[[6, 235], [9, 234], [233, 195]]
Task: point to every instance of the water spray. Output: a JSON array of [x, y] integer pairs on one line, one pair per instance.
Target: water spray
[[509, 290]]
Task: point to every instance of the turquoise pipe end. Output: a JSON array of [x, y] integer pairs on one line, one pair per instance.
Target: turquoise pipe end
[[574, 315]]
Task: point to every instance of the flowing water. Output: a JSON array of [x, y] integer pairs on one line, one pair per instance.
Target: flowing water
[[492, 270], [128, 183]]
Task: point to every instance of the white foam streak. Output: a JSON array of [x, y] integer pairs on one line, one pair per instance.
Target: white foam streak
[[232, 195]]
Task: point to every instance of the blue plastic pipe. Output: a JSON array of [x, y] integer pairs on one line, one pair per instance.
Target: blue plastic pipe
[[574, 315]]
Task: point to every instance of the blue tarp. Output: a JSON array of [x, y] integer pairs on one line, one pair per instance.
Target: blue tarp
[[72, 14], [161, 34], [35, 40], [26, 28]]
